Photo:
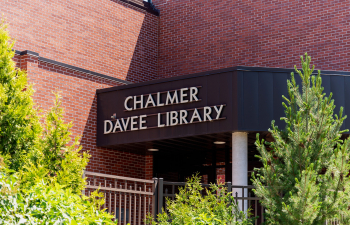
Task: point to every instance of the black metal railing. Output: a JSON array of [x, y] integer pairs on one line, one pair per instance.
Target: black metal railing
[[130, 199]]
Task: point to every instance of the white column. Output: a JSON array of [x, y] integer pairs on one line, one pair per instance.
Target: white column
[[240, 166]]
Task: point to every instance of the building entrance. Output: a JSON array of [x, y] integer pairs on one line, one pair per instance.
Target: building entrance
[[213, 161]]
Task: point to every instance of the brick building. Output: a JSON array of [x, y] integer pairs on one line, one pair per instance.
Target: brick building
[[79, 47]]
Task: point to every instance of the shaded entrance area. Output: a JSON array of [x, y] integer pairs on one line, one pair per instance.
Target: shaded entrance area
[[179, 159]]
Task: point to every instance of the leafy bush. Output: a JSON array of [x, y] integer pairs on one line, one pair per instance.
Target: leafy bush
[[47, 204], [216, 207]]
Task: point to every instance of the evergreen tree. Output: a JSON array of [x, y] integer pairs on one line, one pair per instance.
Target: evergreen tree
[[40, 167], [19, 123], [56, 157], [36, 150], [305, 173]]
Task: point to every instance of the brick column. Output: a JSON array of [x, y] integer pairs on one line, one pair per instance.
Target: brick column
[[28, 60], [149, 167]]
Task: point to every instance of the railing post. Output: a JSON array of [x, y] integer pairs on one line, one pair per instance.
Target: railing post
[[243, 200], [160, 195], [155, 198], [229, 190], [236, 202]]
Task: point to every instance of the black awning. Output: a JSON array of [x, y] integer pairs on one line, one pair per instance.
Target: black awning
[[249, 99]]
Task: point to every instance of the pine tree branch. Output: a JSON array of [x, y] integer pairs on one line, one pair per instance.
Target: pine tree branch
[[320, 149], [338, 185]]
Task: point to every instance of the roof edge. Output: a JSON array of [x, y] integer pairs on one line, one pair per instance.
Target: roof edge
[[225, 70]]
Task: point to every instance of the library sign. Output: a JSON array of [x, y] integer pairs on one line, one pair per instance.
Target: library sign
[[176, 107], [163, 119]]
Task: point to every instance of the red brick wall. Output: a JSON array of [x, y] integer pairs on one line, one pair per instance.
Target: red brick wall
[[78, 93], [17, 59], [104, 36], [149, 167], [197, 35]]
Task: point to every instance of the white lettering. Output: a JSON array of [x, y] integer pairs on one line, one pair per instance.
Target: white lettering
[[142, 121], [126, 103], [117, 126], [193, 93], [218, 111], [150, 101], [106, 131], [183, 115], [207, 111], [170, 99], [182, 95], [196, 116], [158, 100], [138, 102], [167, 119], [159, 120], [132, 123], [125, 124], [173, 118]]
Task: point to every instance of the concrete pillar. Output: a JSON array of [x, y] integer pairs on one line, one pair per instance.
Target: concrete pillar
[[240, 166]]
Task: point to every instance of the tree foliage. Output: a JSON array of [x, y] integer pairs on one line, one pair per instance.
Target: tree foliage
[[41, 168], [304, 178], [19, 121], [56, 158]]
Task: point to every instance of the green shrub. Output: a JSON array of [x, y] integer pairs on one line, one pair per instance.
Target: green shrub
[[216, 207], [47, 204]]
